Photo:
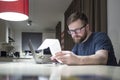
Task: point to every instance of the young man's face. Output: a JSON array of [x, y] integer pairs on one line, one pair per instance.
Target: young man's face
[[78, 31]]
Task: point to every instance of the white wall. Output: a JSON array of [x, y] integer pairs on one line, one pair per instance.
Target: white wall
[[48, 35], [114, 24], [3, 32], [18, 42]]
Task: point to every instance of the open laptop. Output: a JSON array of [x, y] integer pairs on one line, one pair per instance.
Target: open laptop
[[41, 56]]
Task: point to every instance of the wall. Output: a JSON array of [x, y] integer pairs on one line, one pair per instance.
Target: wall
[[18, 42], [3, 32], [48, 35], [63, 23], [114, 24]]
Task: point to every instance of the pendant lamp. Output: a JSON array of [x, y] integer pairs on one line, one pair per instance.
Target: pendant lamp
[[8, 0], [14, 10]]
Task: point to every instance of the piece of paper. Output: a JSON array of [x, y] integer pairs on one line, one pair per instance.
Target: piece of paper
[[53, 44]]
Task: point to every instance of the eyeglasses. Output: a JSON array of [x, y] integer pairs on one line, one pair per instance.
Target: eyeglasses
[[76, 30]]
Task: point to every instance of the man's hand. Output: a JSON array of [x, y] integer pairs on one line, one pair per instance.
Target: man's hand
[[66, 57]]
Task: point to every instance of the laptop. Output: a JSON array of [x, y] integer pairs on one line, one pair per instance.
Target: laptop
[[42, 56]]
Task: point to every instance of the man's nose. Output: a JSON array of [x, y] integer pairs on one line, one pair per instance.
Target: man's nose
[[74, 34]]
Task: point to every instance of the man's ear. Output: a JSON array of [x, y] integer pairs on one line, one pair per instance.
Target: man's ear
[[88, 27]]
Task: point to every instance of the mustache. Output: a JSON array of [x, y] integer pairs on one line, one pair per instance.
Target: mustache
[[77, 36]]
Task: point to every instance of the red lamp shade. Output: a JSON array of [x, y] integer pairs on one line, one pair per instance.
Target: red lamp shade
[[14, 11], [8, 0]]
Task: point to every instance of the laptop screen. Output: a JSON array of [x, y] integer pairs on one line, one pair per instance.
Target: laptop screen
[[31, 47]]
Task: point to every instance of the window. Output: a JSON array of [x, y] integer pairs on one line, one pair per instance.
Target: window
[[36, 39]]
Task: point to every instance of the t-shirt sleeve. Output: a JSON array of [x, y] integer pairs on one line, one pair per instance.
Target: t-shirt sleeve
[[102, 41]]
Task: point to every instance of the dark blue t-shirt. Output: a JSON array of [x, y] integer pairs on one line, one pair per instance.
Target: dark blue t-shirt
[[97, 41]]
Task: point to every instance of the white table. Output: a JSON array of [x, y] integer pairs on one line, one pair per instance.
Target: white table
[[31, 71]]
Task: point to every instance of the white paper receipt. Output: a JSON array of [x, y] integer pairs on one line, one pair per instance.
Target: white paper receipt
[[53, 44]]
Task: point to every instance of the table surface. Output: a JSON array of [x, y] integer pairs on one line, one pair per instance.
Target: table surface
[[29, 70]]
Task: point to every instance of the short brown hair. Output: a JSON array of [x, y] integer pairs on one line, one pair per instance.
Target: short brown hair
[[77, 15]]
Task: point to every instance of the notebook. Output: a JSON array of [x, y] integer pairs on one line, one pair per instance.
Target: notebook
[[39, 57]]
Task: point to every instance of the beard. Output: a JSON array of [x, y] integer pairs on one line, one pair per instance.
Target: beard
[[79, 39]]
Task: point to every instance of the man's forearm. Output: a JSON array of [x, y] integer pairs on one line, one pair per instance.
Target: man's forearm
[[93, 59]]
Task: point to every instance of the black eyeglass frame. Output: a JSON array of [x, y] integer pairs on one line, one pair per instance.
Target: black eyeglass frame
[[75, 31]]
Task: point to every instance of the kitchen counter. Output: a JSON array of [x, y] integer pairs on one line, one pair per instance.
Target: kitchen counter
[[29, 70]]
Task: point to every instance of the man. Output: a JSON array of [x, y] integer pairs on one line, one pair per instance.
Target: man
[[90, 48]]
